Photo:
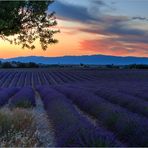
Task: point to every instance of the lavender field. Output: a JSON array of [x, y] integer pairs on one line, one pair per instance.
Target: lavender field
[[73, 107]]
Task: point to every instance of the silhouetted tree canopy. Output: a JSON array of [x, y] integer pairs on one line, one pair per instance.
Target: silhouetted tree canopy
[[27, 21]]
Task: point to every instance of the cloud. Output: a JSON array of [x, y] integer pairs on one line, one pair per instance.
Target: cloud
[[99, 2], [134, 39], [140, 18], [120, 29], [121, 36], [106, 46], [109, 46], [84, 3], [73, 12], [118, 32]]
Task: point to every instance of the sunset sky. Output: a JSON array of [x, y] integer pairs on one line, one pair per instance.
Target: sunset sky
[[110, 27]]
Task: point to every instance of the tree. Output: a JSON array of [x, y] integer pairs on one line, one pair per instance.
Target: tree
[[6, 65], [27, 21]]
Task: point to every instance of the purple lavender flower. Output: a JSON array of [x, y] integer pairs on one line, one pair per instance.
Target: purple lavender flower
[[114, 117], [5, 94], [70, 127], [24, 98], [130, 102]]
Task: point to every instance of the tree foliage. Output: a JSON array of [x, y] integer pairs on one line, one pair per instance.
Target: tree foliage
[[27, 21]]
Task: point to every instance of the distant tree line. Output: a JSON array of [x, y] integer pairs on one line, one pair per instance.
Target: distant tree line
[[112, 66], [138, 66], [14, 64], [18, 65]]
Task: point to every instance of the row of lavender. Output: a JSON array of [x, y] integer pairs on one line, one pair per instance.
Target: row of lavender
[[65, 105], [119, 108], [17, 97], [71, 128], [122, 120], [28, 78], [127, 119], [134, 99], [21, 78]]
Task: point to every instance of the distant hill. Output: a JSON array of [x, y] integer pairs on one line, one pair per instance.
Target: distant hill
[[86, 59]]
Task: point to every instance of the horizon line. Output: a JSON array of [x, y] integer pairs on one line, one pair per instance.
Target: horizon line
[[73, 56]]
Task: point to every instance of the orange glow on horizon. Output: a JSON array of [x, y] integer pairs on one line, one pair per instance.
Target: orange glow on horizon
[[73, 42]]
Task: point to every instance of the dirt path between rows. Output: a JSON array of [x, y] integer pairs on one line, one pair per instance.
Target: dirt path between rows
[[45, 132]]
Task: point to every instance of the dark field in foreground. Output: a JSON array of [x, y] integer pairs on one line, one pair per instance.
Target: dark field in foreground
[[73, 107]]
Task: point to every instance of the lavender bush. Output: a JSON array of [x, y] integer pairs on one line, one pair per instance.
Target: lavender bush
[[24, 98], [127, 125], [4, 78], [8, 80], [15, 80], [141, 94], [5, 94], [71, 128], [21, 80], [130, 102], [29, 79]]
